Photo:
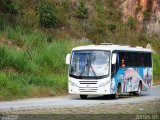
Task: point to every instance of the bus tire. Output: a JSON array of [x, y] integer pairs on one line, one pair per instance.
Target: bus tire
[[115, 96], [135, 93], [83, 96], [139, 92], [131, 94]]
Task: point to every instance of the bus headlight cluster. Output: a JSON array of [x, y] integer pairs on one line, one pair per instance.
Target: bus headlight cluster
[[104, 84], [73, 84]]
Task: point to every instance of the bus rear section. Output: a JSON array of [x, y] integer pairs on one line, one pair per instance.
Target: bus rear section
[[132, 72]]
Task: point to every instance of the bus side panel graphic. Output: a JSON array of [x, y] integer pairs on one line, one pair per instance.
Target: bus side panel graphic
[[130, 77]]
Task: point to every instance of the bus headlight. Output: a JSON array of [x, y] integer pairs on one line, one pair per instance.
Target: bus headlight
[[104, 84], [73, 84]]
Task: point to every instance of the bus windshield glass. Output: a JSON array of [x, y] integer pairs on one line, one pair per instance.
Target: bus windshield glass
[[90, 63]]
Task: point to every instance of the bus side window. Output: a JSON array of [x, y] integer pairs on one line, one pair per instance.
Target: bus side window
[[142, 60], [122, 59], [123, 62]]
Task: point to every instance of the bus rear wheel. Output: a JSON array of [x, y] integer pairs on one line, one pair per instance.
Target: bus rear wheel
[[83, 96], [139, 92]]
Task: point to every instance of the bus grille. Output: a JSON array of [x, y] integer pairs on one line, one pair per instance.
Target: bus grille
[[90, 86], [88, 82], [88, 89]]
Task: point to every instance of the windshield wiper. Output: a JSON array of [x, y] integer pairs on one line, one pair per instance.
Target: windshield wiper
[[93, 70]]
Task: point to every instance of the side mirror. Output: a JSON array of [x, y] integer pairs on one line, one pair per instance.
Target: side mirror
[[68, 58], [114, 56]]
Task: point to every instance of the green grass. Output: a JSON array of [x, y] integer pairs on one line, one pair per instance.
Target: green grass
[[13, 58], [156, 68], [37, 68]]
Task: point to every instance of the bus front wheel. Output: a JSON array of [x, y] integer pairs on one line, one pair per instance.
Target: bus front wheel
[[83, 96], [115, 96]]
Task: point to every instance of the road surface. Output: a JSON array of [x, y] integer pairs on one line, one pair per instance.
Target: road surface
[[75, 101]]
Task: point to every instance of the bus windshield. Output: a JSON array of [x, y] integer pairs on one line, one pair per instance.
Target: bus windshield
[[90, 64]]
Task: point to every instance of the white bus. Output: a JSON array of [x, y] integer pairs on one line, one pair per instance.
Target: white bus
[[108, 69]]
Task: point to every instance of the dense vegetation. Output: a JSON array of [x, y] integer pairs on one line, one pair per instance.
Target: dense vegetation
[[35, 36]]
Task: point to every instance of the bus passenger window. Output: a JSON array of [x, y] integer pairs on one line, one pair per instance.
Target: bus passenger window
[[123, 63]]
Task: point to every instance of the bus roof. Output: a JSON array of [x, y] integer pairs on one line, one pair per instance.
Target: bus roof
[[112, 48]]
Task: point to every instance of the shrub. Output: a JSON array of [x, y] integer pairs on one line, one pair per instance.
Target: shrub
[[11, 6], [66, 5], [147, 15], [82, 11], [100, 8], [112, 27], [47, 14], [2, 26], [138, 9], [131, 22]]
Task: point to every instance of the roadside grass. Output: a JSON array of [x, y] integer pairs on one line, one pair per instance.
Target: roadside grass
[[37, 69], [31, 81], [156, 67], [13, 58], [22, 86]]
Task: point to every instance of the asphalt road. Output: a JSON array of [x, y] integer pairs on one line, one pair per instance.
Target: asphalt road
[[75, 101]]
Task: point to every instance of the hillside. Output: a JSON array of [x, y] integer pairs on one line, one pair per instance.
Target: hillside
[[35, 36]]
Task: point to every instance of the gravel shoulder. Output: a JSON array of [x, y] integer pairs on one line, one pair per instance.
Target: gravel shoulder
[[148, 103], [149, 107]]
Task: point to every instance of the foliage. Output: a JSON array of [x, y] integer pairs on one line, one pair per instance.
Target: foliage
[[100, 8], [112, 27], [147, 15], [131, 22], [148, 11], [11, 6], [66, 5], [47, 14], [1, 25], [82, 10]]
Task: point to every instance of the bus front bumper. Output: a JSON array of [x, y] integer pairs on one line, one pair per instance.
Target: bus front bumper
[[102, 87]]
